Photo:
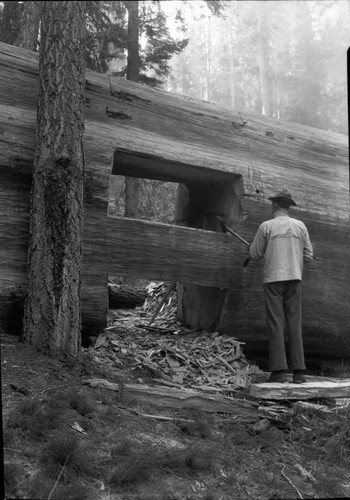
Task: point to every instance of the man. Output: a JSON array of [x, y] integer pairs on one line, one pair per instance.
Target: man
[[285, 244]]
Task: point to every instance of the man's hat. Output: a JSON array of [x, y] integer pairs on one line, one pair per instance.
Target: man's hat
[[283, 195]]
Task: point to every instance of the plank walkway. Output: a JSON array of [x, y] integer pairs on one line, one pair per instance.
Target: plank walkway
[[313, 388]]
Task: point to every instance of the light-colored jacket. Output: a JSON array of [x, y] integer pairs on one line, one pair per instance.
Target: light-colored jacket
[[285, 244]]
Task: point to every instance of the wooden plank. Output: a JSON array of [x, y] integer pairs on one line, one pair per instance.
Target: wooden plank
[[178, 398], [337, 388]]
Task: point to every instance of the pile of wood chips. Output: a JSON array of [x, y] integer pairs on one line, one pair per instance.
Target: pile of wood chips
[[161, 304], [171, 354]]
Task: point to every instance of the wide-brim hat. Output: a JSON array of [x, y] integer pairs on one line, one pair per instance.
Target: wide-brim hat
[[283, 195]]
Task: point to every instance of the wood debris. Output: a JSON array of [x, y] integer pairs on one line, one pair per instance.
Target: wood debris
[[209, 362], [169, 353], [161, 304], [150, 345], [180, 398]]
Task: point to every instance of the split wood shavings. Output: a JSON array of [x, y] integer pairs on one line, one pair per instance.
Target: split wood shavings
[[170, 354]]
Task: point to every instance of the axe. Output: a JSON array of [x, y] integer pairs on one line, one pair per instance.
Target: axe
[[226, 229]]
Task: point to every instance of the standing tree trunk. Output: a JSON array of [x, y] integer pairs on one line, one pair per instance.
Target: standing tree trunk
[[132, 185], [29, 25], [232, 76], [207, 58], [52, 309], [263, 60], [10, 23]]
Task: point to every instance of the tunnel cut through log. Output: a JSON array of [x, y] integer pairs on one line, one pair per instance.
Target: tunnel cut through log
[[202, 195], [197, 206]]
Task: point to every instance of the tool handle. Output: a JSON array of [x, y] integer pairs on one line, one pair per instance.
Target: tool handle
[[226, 228], [238, 236]]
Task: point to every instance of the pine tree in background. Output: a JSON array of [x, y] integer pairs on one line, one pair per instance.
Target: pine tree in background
[[107, 40], [10, 22], [301, 51]]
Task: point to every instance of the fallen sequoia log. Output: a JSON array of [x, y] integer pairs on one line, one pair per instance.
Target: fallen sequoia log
[[179, 398], [124, 296], [133, 130]]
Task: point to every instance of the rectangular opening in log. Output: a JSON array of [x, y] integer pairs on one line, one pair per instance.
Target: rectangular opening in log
[[157, 184], [172, 249]]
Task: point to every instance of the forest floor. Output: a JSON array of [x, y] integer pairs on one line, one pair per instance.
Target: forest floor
[[64, 439]]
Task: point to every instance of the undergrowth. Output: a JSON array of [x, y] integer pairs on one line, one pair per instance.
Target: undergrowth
[[118, 454]]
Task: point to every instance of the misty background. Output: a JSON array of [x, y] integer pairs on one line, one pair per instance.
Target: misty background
[[284, 59]]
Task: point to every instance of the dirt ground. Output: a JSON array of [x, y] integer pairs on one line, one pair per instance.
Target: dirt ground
[[65, 439]]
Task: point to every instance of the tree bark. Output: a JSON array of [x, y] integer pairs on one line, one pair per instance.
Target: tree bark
[[133, 64], [52, 309], [132, 190], [29, 25], [10, 22]]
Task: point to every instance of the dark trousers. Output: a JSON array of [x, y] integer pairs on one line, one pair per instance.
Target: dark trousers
[[283, 309]]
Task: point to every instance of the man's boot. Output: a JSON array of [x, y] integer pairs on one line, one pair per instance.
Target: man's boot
[[298, 377], [279, 376]]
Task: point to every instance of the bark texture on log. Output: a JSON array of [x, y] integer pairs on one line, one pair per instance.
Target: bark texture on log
[[149, 133]]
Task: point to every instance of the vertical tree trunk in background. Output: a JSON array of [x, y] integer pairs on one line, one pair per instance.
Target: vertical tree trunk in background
[[52, 310], [207, 58], [132, 191], [10, 23], [29, 25], [232, 63], [263, 60], [132, 185], [197, 205]]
